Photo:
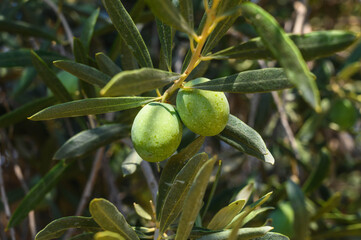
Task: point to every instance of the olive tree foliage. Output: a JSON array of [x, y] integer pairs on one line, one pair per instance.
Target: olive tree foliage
[[165, 100]]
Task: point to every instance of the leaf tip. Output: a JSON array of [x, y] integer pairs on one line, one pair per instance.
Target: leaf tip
[[269, 158]]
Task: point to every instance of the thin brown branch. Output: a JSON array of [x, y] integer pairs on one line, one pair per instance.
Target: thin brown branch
[[150, 178], [4, 199]]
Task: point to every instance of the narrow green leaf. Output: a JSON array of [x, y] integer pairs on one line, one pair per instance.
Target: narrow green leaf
[[81, 57], [301, 220], [238, 221], [134, 82], [24, 29], [88, 29], [353, 230], [37, 193], [21, 113], [319, 173], [245, 139], [272, 236], [246, 192], [262, 80], [173, 202], [90, 106], [22, 57], [79, 52], [254, 214], [223, 26], [329, 205], [284, 50], [107, 235], [89, 140], [172, 168], [169, 14], [243, 233], [213, 190], [186, 9], [141, 212], [165, 34], [50, 79], [59, 226], [109, 218], [84, 72], [311, 45], [194, 199], [128, 31], [224, 216], [106, 65]]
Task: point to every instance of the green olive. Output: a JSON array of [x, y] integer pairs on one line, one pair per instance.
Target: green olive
[[203, 112], [156, 132]]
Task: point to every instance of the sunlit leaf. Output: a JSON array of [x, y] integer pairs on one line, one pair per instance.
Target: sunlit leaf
[[171, 169], [141, 212], [58, 227], [173, 202], [243, 233], [166, 34], [107, 235], [194, 199], [110, 219], [224, 216]]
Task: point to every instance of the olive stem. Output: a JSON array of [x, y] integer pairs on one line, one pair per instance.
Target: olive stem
[[209, 26]]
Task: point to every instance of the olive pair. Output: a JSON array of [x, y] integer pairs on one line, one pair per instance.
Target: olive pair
[[157, 129]]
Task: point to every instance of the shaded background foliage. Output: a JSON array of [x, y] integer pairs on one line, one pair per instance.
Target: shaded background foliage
[[331, 140]]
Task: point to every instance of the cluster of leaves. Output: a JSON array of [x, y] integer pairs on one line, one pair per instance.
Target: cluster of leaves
[[104, 87]]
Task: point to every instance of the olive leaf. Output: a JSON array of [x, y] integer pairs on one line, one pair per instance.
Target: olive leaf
[[261, 80], [245, 139], [174, 164], [89, 140], [134, 82], [89, 106], [109, 218], [128, 31], [284, 50], [58, 227], [84, 72], [173, 202], [311, 45]]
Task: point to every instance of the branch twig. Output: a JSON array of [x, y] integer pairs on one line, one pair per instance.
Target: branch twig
[[63, 20], [5, 200], [151, 181]]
